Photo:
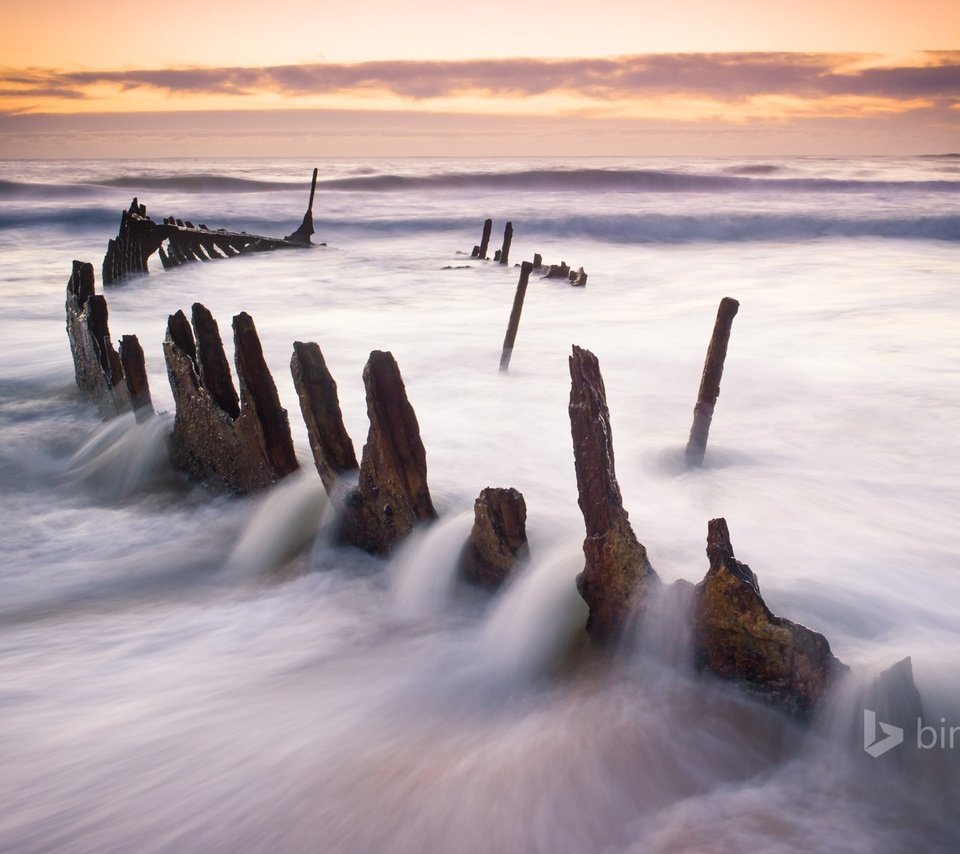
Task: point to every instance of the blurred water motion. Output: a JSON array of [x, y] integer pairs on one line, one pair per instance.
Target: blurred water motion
[[187, 673]]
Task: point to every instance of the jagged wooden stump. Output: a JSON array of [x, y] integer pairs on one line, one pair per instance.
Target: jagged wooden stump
[[738, 638], [332, 448], [97, 365], [392, 495], [617, 578], [229, 442], [498, 539]]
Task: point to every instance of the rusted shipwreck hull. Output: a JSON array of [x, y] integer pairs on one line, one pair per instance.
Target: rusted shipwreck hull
[[178, 242]]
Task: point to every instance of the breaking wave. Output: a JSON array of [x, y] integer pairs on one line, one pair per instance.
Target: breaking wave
[[200, 184], [639, 228], [746, 178], [655, 228], [627, 180]]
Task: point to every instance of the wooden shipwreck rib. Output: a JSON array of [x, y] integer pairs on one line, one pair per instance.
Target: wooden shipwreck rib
[[178, 242]]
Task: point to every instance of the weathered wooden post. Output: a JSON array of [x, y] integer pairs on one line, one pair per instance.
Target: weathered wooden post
[[485, 239], [525, 269], [258, 394], [96, 363], [507, 240], [617, 579], [332, 448], [498, 539], [135, 374], [710, 381], [391, 496]]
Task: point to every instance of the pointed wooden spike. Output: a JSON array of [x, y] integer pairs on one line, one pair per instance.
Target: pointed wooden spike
[[135, 374], [259, 392], [332, 448], [617, 577], [514, 323], [212, 361]]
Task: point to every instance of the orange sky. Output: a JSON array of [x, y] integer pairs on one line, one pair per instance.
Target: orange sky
[[748, 69]]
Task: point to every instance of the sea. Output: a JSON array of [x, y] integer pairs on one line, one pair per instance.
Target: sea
[[182, 671]]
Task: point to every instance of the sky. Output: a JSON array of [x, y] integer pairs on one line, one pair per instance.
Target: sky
[[605, 77]]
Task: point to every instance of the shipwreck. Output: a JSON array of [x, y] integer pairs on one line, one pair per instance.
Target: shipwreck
[[177, 242]]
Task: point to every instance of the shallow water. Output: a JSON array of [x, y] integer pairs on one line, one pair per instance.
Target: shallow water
[[188, 672]]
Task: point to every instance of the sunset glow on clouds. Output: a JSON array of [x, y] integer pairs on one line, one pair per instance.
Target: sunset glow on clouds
[[915, 94], [775, 82]]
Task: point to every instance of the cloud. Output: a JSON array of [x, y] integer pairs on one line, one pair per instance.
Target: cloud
[[36, 91], [718, 76]]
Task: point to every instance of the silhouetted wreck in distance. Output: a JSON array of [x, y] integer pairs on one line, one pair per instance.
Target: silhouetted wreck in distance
[[178, 242]]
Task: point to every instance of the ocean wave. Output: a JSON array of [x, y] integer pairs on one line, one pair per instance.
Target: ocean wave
[[74, 218], [680, 228], [637, 228], [734, 228], [754, 169], [624, 180], [201, 184], [138, 184], [12, 190], [746, 178]]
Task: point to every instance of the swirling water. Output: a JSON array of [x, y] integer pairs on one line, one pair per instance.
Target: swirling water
[[185, 672]]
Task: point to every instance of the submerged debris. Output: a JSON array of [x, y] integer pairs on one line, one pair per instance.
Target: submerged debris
[[578, 277]]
